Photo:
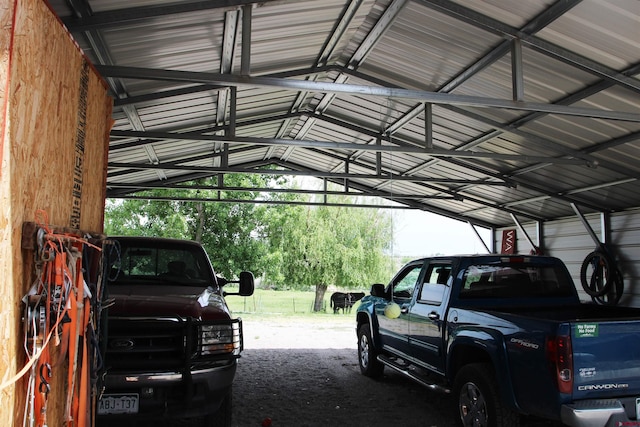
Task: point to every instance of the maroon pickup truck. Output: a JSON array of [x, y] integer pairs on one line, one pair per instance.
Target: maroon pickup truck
[[169, 342]]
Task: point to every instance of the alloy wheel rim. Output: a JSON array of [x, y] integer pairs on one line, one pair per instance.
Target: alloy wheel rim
[[472, 406], [364, 351]]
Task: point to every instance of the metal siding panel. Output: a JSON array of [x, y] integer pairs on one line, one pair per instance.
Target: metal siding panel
[[568, 240], [605, 31], [504, 10], [436, 53]]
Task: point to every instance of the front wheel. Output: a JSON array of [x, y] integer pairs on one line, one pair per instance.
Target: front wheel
[[367, 354], [475, 391]]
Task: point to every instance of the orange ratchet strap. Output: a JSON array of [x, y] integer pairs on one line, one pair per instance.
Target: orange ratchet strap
[[58, 306]]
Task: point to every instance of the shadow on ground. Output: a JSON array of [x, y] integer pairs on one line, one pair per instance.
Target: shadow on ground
[[324, 387]]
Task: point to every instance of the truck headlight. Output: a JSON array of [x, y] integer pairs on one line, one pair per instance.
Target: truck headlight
[[220, 339]]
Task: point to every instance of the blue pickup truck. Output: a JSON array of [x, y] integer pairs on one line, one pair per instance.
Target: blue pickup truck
[[508, 337]]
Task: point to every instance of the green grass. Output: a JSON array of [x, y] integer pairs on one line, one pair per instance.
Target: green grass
[[280, 303]]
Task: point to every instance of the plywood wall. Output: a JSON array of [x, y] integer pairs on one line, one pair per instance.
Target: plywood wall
[[55, 117]]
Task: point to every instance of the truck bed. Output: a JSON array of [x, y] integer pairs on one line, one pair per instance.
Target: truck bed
[[575, 313]]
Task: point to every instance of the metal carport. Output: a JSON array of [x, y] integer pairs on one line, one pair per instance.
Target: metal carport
[[490, 112]]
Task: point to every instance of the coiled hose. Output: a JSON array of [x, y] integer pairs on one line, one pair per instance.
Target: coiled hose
[[600, 277]]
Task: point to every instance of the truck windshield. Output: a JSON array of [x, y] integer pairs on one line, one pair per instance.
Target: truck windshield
[[515, 281], [163, 264]]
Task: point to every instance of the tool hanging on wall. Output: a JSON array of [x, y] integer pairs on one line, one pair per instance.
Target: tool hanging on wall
[[62, 307], [600, 276]]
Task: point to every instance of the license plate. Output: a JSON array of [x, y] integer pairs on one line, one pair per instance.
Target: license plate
[[118, 404]]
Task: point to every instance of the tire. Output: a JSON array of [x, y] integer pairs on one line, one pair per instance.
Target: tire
[[367, 354], [615, 293], [478, 404], [222, 417], [595, 274]]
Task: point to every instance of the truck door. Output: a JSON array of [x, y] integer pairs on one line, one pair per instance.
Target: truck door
[[394, 332], [427, 316]]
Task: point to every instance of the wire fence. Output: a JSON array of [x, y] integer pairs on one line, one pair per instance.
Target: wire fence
[[281, 302]]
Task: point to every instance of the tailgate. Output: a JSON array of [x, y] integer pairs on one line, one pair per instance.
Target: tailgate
[[606, 359]]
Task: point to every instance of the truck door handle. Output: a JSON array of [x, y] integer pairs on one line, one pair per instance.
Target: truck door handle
[[433, 316], [404, 309]]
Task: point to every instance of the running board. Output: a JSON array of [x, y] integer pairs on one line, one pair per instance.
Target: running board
[[406, 372]]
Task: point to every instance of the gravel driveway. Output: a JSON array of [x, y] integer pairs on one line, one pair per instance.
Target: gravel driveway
[[304, 372]]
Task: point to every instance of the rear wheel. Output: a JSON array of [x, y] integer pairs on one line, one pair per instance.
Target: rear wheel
[[367, 354], [476, 394]]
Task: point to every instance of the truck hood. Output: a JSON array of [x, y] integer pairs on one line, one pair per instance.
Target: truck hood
[[183, 301]]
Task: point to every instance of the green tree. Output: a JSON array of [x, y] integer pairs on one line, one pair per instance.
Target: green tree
[[145, 218], [322, 246], [230, 232], [295, 246]]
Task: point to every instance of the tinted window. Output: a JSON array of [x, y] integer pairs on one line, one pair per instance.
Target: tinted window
[[515, 281], [162, 263]]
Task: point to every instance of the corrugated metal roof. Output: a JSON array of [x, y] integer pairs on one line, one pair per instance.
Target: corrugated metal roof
[[531, 106]]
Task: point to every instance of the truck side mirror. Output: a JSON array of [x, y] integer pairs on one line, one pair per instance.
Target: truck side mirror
[[377, 290], [246, 284]]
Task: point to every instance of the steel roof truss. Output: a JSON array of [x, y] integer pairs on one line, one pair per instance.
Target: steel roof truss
[[434, 152], [361, 90]]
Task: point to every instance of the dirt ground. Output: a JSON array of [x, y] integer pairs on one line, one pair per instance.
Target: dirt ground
[[304, 373]]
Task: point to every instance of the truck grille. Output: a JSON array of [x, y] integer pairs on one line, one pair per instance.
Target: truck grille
[[169, 344]]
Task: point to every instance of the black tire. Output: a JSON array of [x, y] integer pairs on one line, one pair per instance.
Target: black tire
[[367, 354], [615, 293], [596, 274], [478, 404], [222, 417]]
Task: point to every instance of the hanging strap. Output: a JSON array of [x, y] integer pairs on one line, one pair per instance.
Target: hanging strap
[[58, 309]]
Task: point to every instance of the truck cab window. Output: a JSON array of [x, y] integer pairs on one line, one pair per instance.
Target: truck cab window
[[435, 282], [405, 283], [185, 265], [515, 281]]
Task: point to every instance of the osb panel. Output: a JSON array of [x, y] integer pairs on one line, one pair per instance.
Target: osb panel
[[51, 103], [8, 362], [57, 121], [94, 189], [6, 21]]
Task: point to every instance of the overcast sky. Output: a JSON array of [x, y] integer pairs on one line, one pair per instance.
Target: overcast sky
[[418, 233]]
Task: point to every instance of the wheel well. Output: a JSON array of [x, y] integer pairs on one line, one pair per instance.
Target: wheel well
[[465, 354], [364, 319], [360, 319]]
